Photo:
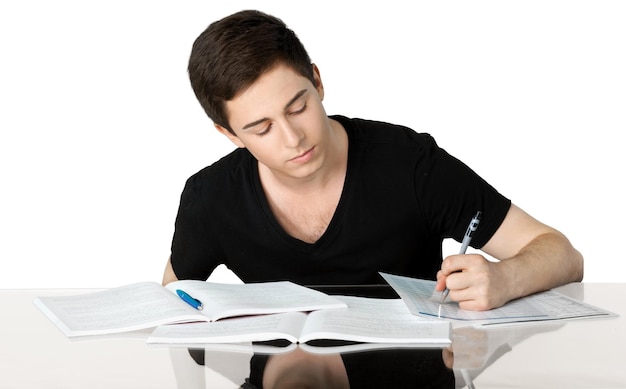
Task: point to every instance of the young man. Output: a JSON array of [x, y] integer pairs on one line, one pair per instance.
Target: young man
[[330, 200]]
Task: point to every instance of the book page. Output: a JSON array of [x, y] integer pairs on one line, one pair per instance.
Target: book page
[[229, 300], [374, 320], [365, 320], [126, 308], [241, 329], [550, 305]]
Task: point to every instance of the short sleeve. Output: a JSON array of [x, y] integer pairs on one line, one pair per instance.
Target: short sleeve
[[192, 255], [451, 193]]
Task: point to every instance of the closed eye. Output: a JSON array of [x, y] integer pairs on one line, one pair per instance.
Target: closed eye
[[265, 130], [298, 110]]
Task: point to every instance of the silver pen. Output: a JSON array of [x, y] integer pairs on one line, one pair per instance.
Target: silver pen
[[473, 226]]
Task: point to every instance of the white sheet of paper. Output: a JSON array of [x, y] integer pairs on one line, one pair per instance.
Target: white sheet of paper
[[550, 305]]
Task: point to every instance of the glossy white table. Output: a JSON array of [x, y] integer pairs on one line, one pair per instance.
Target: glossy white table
[[573, 354]]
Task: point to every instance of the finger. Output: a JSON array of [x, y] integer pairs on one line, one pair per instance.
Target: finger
[[458, 281], [479, 304], [441, 282], [454, 263]]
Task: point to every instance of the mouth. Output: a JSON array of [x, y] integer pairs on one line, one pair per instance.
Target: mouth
[[304, 157]]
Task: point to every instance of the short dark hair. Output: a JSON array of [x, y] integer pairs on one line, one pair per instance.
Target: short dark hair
[[233, 52]]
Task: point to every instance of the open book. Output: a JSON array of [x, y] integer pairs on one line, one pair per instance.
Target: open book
[[366, 320], [149, 304]]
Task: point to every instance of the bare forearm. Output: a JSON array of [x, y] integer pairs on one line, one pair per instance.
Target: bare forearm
[[168, 274], [548, 261]]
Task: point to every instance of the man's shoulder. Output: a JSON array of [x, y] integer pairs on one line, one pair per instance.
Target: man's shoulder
[[224, 169], [373, 131]]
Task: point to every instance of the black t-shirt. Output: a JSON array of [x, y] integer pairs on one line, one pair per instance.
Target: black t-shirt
[[402, 196]]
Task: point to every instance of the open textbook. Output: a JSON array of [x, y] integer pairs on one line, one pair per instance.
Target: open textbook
[[149, 304], [421, 299], [368, 320]]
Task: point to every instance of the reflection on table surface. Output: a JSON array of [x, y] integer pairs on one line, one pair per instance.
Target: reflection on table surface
[[472, 351]]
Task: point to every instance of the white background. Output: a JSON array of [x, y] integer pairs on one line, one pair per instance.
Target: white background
[[100, 128]]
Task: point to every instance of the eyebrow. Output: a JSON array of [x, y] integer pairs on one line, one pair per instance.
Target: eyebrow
[[291, 101]]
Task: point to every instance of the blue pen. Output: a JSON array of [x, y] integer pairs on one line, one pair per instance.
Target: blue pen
[[197, 304], [466, 241]]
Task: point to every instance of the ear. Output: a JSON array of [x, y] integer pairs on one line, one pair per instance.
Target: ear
[[318, 81], [233, 138]]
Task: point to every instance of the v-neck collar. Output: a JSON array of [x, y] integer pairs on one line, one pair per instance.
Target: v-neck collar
[[336, 219]]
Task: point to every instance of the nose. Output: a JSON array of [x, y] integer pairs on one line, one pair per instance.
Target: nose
[[292, 135]]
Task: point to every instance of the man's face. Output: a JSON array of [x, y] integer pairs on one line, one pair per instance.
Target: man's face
[[281, 121]]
